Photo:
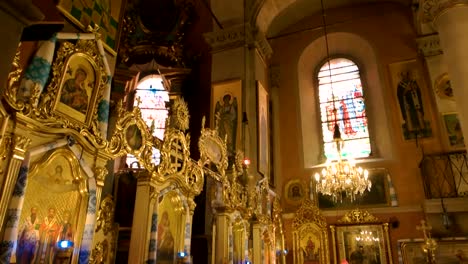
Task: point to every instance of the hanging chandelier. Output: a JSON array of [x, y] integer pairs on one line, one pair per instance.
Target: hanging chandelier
[[366, 236], [341, 178]]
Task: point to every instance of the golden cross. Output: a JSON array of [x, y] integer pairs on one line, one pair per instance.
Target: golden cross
[[425, 229]]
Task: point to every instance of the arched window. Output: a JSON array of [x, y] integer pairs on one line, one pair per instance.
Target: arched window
[[342, 102], [153, 97]]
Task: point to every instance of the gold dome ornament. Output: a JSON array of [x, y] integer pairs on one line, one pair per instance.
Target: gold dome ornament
[[180, 114]]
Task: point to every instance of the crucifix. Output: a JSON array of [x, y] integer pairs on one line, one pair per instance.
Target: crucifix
[[425, 229], [430, 245]]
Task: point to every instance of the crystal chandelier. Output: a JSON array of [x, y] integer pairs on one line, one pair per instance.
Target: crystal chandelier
[[366, 236], [342, 178]]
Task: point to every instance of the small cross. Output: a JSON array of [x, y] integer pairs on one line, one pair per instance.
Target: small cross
[[425, 229], [138, 99]]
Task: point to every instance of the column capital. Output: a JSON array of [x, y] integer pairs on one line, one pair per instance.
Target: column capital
[[429, 45], [431, 9], [238, 36], [100, 174]]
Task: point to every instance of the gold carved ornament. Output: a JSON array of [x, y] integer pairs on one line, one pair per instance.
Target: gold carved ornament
[[308, 212], [176, 166], [99, 253], [41, 107], [357, 216], [105, 217]]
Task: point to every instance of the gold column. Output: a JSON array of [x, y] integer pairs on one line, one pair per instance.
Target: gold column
[[221, 238], [138, 252], [20, 144], [257, 242], [100, 174]]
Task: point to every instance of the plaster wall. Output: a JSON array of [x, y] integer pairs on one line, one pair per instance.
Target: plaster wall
[[374, 36]]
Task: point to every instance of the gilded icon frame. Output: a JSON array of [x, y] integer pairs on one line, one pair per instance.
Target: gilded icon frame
[[65, 104], [295, 192], [358, 234], [449, 249], [310, 235]]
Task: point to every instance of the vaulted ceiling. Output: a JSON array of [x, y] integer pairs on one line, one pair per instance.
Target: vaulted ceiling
[[276, 15]]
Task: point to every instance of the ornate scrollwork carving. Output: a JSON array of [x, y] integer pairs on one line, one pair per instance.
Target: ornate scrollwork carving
[[180, 115], [100, 173], [99, 253], [42, 106], [105, 218], [213, 149], [358, 216], [21, 142], [308, 212], [13, 82]]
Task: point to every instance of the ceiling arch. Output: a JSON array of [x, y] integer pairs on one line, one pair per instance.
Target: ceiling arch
[[276, 15]]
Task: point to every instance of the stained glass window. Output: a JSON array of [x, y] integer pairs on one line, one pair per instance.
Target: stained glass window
[[342, 102], [153, 98]]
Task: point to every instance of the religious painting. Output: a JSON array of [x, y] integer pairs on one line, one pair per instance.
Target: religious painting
[[263, 130], [359, 244], [294, 192], [103, 13], [54, 210], [449, 250], [170, 228], [226, 114], [453, 131], [410, 91], [443, 87], [76, 98], [378, 195], [133, 137], [310, 235]]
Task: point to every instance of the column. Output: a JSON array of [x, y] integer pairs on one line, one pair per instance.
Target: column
[[139, 240], [257, 240], [241, 52], [221, 238], [100, 174], [20, 144], [450, 17], [153, 240]]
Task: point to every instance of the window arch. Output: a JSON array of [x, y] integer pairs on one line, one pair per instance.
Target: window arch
[[153, 97], [341, 101]]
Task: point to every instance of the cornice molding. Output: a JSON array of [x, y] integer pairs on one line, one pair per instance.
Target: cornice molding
[[431, 9], [429, 45], [375, 210], [238, 36]]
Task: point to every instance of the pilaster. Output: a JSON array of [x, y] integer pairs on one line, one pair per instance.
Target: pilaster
[[257, 242], [450, 18], [142, 215], [100, 173], [19, 145], [221, 238]]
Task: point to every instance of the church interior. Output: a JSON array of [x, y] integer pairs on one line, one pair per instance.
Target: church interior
[[240, 132]]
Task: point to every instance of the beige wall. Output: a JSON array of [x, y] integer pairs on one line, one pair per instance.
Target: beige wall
[[374, 36]]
